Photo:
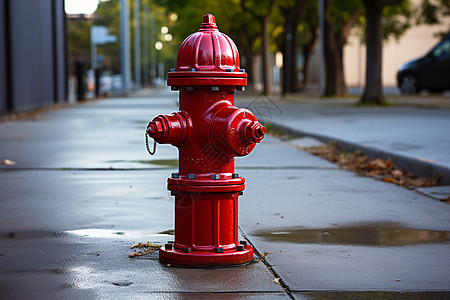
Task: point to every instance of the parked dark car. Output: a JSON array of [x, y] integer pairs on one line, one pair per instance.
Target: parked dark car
[[430, 72]]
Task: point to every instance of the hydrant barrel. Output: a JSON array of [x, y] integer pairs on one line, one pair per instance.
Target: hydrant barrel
[[209, 132]]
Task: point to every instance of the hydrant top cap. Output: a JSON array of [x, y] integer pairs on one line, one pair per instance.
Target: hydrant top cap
[[210, 51]]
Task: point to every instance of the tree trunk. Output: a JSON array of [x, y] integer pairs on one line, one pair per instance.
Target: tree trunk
[[294, 48], [341, 87], [307, 52], [331, 53], [292, 15], [287, 54], [373, 91], [340, 41], [267, 78], [249, 68]]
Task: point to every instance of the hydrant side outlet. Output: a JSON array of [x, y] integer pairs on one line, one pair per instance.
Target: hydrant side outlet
[[209, 132]]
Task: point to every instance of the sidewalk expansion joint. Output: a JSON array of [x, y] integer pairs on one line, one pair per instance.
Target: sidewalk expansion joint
[[211, 292], [85, 169], [269, 267], [163, 168], [289, 168]]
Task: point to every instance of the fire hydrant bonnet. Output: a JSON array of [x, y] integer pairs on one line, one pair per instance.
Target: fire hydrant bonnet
[[210, 52]]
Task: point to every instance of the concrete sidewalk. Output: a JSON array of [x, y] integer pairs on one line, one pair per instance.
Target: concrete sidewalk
[[83, 190], [413, 131]]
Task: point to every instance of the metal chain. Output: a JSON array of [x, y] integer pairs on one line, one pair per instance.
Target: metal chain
[[146, 145]]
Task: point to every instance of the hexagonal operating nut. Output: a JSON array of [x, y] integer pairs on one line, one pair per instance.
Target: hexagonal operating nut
[[255, 132], [155, 128]]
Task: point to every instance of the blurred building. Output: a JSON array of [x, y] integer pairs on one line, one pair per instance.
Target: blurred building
[[33, 70]]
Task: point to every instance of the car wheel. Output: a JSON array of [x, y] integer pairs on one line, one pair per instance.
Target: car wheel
[[408, 84]]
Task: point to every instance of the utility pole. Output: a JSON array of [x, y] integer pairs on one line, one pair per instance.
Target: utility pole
[[125, 45], [152, 47], [145, 43], [321, 47], [137, 46]]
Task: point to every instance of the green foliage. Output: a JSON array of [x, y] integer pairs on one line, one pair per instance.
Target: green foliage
[[310, 23], [434, 12], [78, 37], [341, 12], [397, 19], [240, 19]]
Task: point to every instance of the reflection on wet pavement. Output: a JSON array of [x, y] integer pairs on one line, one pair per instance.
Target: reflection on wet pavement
[[31, 234], [159, 162], [113, 233], [90, 232], [369, 234]]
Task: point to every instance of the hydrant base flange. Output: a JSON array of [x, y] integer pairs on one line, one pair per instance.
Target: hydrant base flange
[[178, 258]]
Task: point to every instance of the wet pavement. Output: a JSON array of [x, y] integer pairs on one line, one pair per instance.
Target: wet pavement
[[412, 131], [84, 189]]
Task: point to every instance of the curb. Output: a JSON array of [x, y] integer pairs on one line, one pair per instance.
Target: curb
[[418, 167]]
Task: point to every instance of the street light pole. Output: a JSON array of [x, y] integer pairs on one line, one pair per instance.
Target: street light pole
[[137, 46], [321, 46], [145, 43], [152, 52], [125, 45]]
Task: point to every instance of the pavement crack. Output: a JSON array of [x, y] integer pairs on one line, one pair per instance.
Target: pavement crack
[[262, 257]]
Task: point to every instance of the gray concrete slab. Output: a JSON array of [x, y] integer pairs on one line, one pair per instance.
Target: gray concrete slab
[[69, 234], [99, 134], [334, 230], [273, 155], [437, 192]]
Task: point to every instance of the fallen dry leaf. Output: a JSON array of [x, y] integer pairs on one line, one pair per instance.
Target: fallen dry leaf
[[390, 179], [397, 173], [426, 160], [8, 162], [140, 245], [148, 248], [380, 164]]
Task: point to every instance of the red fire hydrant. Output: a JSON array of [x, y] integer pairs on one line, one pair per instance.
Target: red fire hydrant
[[209, 132]]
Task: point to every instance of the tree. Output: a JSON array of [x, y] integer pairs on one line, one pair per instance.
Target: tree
[[293, 12], [260, 11], [339, 19], [373, 90], [237, 21], [310, 28]]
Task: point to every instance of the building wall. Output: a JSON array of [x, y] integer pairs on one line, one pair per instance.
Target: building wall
[[3, 62], [35, 54]]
